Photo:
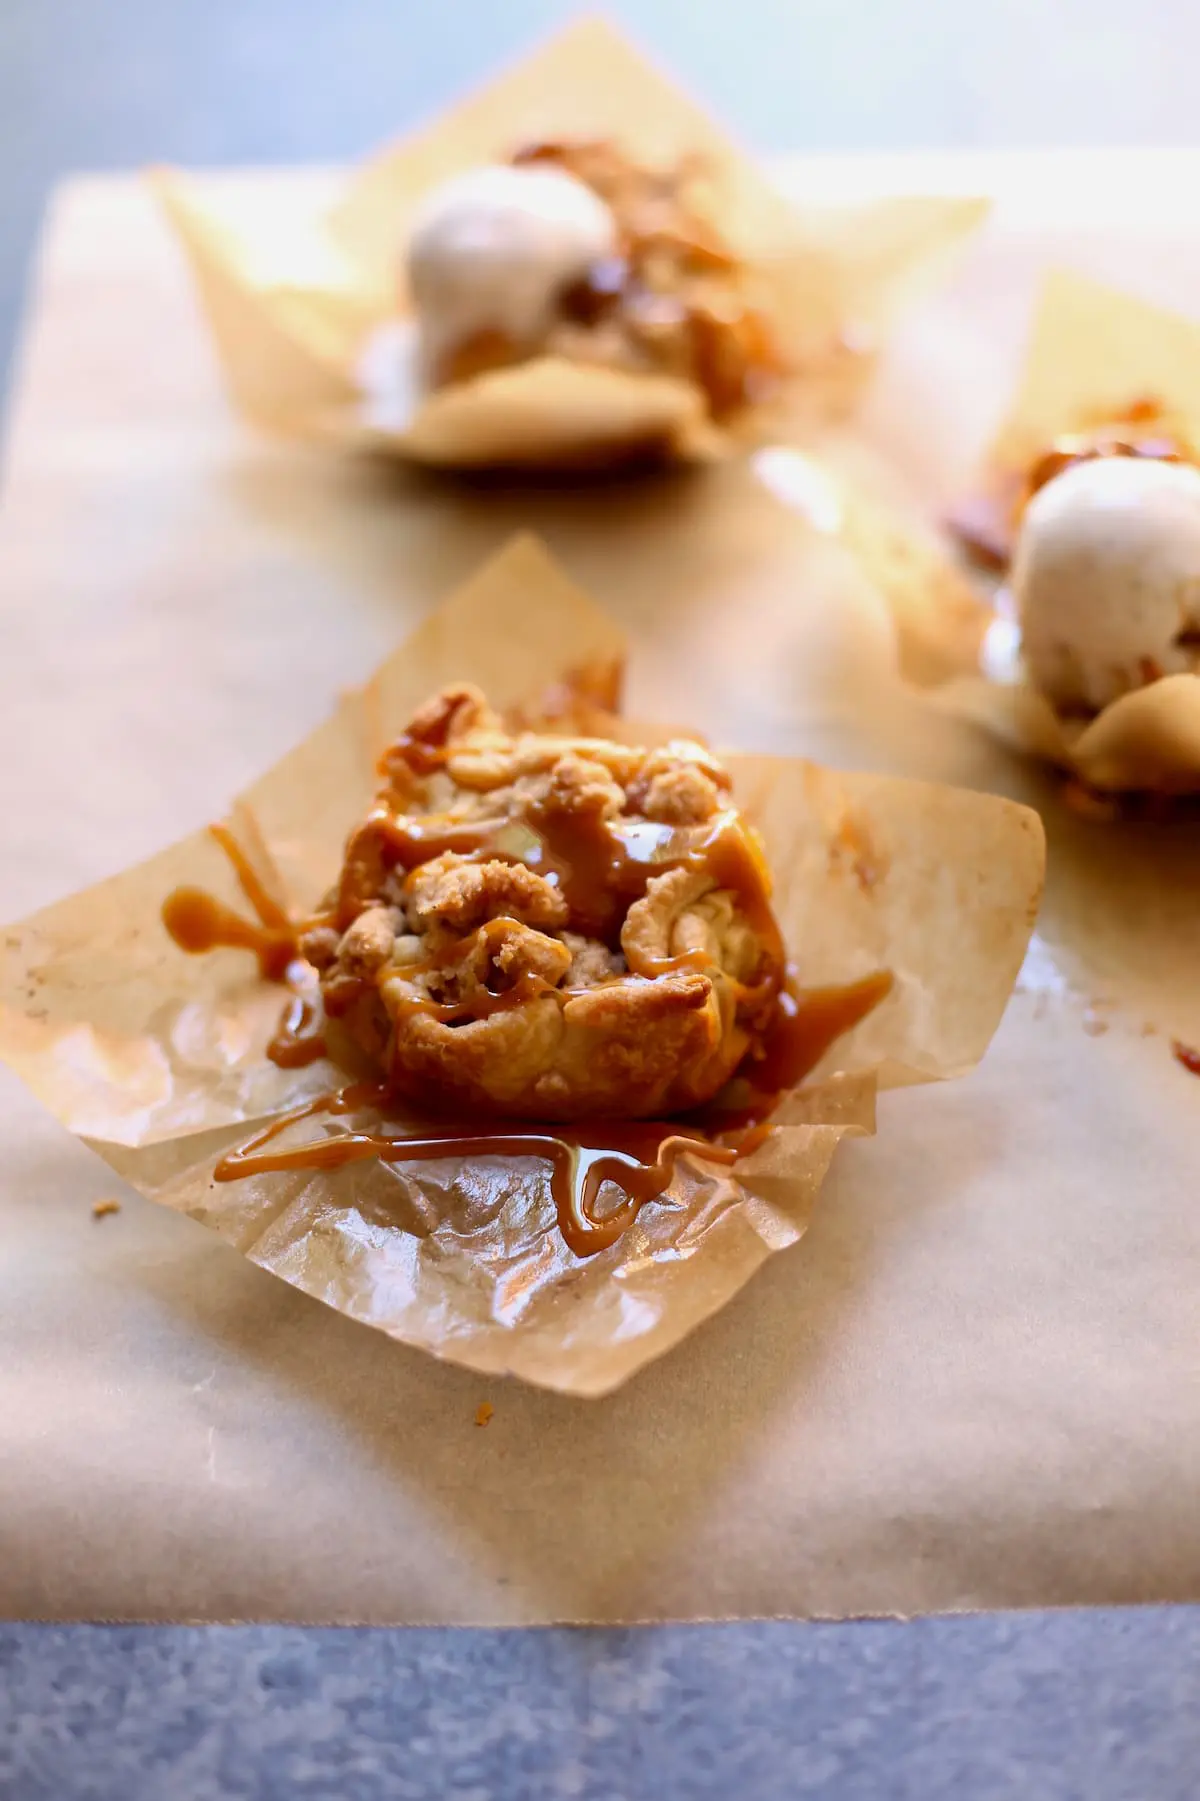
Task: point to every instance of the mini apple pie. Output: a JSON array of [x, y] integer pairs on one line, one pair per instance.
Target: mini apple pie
[[574, 250], [547, 927]]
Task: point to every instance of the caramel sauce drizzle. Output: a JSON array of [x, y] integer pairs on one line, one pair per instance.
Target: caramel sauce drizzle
[[480, 1006], [300, 1036], [806, 1023], [199, 922], [638, 1157], [600, 866]]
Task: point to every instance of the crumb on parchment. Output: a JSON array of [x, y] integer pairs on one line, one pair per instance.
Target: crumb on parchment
[[101, 1209], [483, 1413]]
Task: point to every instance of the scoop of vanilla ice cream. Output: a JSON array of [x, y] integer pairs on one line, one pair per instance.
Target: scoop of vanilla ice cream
[[1106, 579], [491, 250]]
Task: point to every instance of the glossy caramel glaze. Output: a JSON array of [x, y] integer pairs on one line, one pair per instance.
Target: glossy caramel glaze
[[636, 1157], [198, 922], [806, 1023], [300, 1035]]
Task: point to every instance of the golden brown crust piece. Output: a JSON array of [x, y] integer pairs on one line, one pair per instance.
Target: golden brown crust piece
[[548, 927]]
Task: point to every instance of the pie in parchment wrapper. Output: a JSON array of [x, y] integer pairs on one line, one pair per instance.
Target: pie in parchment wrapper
[[157, 1059], [304, 300], [1093, 353]]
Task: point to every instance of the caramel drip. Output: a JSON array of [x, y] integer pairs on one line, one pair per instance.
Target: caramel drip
[[699, 960], [299, 1038], [482, 1004], [270, 911], [753, 1136], [416, 754], [727, 853], [413, 841], [637, 1158], [600, 866], [416, 841], [199, 922], [387, 840], [807, 1022], [734, 861]]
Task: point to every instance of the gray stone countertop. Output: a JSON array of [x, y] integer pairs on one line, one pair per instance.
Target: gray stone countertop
[[1058, 1707]]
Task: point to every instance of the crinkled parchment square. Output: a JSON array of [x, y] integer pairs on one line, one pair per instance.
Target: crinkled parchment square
[[157, 1059]]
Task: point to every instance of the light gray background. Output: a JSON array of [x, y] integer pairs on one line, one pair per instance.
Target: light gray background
[[117, 83]]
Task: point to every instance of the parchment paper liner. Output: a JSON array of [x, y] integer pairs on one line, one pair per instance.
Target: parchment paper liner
[[156, 1059], [303, 305], [1092, 350]]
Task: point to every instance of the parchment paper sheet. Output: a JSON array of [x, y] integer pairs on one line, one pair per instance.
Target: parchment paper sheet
[[971, 1385], [303, 301]]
